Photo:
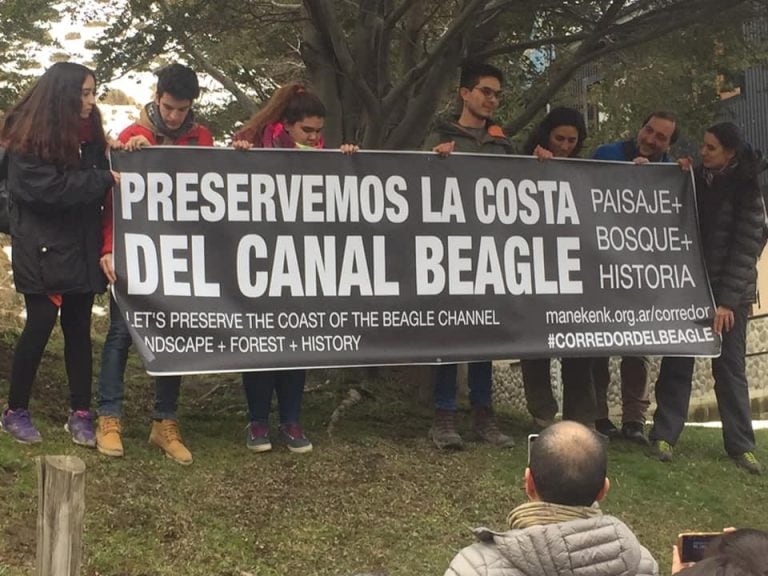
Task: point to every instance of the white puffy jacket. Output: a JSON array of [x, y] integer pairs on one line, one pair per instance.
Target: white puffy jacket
[[599, 546]]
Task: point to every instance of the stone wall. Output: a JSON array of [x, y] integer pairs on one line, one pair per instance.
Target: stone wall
[[508, 384]]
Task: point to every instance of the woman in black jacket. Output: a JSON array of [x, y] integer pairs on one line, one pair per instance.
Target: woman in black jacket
[[58, 175], [732, 228]]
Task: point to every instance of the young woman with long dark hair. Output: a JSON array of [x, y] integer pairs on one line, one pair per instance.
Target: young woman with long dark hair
[[58, 175]]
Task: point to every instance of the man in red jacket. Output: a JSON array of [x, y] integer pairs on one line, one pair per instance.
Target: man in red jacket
[[168, 119]]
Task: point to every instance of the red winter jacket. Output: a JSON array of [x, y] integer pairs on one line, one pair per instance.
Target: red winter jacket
[[274, 136], [196, 136]]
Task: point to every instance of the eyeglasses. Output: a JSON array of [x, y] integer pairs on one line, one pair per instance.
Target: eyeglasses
[[489, 92]]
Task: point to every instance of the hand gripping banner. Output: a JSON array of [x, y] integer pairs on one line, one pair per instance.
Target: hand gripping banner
[[230, 260]]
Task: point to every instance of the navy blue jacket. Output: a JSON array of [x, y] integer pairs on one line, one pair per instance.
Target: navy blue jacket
[[623, 151]]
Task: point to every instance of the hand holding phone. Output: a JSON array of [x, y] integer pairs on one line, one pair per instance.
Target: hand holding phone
[[691, 545]]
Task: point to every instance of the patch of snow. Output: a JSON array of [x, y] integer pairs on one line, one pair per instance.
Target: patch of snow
[[117, 118], [756, 424], [71, 34]]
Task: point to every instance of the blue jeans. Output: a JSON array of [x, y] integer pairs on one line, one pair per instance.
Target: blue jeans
[[113, 359], [288, 385], [480, 382], [112, 377], [167, 390]]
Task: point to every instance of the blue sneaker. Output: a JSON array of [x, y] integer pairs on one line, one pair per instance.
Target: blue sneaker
[[80, 426], [258, 437], [19, 425], [293, 437]]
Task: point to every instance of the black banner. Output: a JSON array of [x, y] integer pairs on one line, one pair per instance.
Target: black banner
[[231, 260]]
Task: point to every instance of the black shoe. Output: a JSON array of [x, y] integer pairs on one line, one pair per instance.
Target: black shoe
[[634, 432], [607, 428]]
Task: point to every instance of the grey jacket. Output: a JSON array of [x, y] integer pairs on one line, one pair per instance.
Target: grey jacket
[[599, 546]]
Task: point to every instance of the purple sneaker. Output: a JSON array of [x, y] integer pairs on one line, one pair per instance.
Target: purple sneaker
[[80, 426], [19, 425]]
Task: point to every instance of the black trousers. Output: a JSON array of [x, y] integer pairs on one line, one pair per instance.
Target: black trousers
[[673, 392], [76, 326], [578, 390]]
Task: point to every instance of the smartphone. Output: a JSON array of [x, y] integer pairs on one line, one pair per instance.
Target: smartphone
[[531, 440], [692, 545]]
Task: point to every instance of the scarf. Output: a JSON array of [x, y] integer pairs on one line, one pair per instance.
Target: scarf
[[710, 174], [276, 136], [86, 129], [158, 126], [538, 513]]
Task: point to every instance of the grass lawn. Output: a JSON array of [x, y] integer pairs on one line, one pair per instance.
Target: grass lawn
[[373, 498]]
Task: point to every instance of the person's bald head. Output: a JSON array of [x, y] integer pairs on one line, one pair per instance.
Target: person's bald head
[[568, 465]]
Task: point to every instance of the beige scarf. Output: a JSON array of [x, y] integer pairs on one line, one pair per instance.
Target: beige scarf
[[538, 513]]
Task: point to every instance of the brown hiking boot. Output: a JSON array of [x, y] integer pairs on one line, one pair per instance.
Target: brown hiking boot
[[484, 425], [166, 436], [443, 432], [108, 439]]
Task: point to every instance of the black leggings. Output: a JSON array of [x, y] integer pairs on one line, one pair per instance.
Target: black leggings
[[76, 326]]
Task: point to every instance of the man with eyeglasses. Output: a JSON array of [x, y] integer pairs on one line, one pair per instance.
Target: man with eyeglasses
[[658, 132], [473, 131], [559, 530]]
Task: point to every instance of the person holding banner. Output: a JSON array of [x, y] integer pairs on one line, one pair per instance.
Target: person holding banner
[[473, 131], [168, 119], [58, 176], [659, 131], [292, 118], [732, 223], [560, 134]]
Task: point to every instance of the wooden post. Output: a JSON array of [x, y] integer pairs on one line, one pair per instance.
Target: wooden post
[[61, 509]]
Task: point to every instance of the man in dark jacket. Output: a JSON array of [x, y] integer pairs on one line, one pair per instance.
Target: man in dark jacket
[[658, 133], [472, 131], [560, 532]]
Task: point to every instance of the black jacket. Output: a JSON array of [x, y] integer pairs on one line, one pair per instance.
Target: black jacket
[[56, 223], [731, 220]]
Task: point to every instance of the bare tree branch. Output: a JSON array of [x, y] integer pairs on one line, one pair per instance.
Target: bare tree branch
[[458, 26], [535, 43], [242, 98], [203, 62], [321, 13], [586, 54], [394, 17]]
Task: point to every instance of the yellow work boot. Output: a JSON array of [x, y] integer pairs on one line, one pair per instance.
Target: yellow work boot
[[108, 436], [166, 436]]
